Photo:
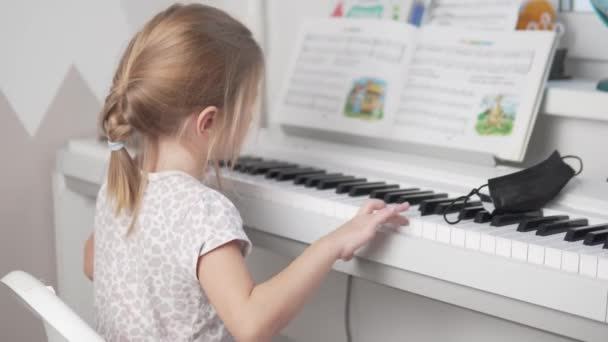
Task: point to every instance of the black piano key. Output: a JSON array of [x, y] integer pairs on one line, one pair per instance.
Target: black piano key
[[302, 179], [483, 217], [416, 199], [345, 188], [246, 165], [262, 168], [428, 207], [334, 182], [367, 189], [380, 194], [242, 164], [470, 212], [456, 207], [531, 224], [316, 183], [596, 237], [579, 233], [557, 227], [501, 220], [266, 165], [248, 158], [289, 175], [272, 173], [393, 196], [605, 243]]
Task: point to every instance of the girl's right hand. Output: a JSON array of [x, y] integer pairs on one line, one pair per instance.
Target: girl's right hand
[[361, 229]]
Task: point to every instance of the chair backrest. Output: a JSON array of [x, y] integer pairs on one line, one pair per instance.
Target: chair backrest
[[60, 322]]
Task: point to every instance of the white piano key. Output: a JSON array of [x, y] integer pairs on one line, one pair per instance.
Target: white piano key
[[429, 233], [487, 244], [536, 254], [473, 239], [503, 247], [457, 237], [553, 258], [570, 261], [429, 229], [519, 250], [444, 229], [602, 266], [415, 222], [588, 265], [444, 233]]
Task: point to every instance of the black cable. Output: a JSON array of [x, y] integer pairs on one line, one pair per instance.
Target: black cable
[[466, 200], [349, 285]]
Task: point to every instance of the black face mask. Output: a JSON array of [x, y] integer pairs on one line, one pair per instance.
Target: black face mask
[[529, 189]]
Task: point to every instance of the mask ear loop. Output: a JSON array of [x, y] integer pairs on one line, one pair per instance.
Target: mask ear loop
[[466, 200], [580, 161]]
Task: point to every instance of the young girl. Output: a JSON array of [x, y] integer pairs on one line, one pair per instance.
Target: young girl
[[169, 251]]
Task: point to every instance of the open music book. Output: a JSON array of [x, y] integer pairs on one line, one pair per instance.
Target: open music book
[[457, 88]]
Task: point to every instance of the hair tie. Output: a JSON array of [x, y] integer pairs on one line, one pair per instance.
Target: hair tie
[[115, 145]]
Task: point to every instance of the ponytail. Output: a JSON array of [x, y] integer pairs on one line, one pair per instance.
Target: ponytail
[[125, 182]]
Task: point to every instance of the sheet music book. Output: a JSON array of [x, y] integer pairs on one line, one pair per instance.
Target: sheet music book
[[471, 90]]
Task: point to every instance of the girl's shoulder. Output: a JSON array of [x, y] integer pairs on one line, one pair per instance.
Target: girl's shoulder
[[198, 197]]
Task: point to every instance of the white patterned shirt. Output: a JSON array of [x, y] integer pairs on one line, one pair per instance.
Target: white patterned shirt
[[146, 286]]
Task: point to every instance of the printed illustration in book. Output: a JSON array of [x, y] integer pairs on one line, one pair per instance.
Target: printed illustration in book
[[366, 99], [497, 116]]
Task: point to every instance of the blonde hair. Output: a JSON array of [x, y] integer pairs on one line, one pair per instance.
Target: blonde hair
[[186, 58]]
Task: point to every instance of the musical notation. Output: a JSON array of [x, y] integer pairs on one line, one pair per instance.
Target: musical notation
[[327, 63], [448, 85], [469, 59]]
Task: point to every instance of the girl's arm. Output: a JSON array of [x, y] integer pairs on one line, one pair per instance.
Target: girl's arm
[[257, 312], [89, 255]]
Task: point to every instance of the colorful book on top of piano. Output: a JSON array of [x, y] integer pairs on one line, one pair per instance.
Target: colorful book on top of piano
[[457, 88]]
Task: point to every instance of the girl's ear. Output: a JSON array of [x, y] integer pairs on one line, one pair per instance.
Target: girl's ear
[[205, 120]]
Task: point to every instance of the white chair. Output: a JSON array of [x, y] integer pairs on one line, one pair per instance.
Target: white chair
[[60, 322]]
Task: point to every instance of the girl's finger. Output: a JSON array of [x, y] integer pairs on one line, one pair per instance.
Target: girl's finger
[[402, 207], [370, 206], [398, 220], [383, 215]]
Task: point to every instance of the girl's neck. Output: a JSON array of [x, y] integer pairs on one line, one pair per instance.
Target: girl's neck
[[172, 155]]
